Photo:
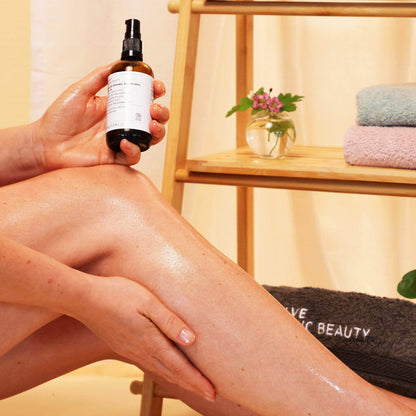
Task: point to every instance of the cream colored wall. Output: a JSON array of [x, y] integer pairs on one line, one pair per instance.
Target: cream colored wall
[[15, 62]]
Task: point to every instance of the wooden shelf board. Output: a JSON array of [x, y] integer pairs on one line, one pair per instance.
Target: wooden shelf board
[[305, 167], [302, 8]]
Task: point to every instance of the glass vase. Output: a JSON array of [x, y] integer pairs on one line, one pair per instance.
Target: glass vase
[[270, 135]]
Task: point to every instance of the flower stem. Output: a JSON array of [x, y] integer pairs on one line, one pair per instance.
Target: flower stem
[[275, 143]]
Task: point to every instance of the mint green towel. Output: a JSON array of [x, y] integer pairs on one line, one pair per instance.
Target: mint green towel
[[387, 105]]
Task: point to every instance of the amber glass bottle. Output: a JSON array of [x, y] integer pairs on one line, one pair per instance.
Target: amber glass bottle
[[130, 94]]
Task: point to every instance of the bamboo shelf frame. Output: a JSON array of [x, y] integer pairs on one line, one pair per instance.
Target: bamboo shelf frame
[[309, 168], [302, 8]]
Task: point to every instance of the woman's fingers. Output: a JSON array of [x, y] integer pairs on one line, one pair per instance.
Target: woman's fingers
[[129, 155], [159, 112], [159, 89], [157, 131], [173, 366], [95, 80], [169, 323], [160, 116], [139, 327], [177, 368]]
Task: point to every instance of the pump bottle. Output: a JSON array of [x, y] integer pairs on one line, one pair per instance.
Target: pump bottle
[[130, 94]]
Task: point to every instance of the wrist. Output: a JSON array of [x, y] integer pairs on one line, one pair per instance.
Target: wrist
[[29, 150], [76, 302], [22, 158], [36, 146]]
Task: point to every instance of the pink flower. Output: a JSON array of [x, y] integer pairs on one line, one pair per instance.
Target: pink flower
[[275, 105], [260, 101], [266, 102]]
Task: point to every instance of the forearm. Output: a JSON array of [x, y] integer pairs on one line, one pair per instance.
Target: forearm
[[20, 155], [28, 277]]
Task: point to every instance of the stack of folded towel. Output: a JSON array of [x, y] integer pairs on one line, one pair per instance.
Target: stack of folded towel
[[385, 134], [374, 336]]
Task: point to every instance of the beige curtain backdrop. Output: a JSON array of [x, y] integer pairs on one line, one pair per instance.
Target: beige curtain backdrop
[[15, 62], [347, 242]]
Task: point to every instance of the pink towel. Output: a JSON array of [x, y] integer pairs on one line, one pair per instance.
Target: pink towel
[[388, 147]]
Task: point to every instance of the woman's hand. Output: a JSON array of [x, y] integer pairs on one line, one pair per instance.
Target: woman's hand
[[72, 132], [137, 326]]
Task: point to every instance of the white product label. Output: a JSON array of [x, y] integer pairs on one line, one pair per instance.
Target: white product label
[[130, 95]]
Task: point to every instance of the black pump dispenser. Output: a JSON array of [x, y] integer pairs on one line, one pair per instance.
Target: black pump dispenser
[[132, 43]]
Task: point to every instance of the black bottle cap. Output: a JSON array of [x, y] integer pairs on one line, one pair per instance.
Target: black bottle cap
[[132, 43]]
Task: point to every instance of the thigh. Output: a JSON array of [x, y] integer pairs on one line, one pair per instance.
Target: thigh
[[66, 214]]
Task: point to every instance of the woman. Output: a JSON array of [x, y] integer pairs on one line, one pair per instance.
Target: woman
[[95, 264]]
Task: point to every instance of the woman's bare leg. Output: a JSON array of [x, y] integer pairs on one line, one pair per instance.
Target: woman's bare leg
[[247, 344], [65, 345]]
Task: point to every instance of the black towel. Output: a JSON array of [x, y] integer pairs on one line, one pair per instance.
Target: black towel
[[374, 336]]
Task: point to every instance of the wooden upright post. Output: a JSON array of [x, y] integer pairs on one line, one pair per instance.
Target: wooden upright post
[[181, 102], [244, 84]]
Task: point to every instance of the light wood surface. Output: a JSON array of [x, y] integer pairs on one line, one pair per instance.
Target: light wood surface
[[305, 167], [245, 195], [136, 387], [151, 404], [181, 102], [303, 8]]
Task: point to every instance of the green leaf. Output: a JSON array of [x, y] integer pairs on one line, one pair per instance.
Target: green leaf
[[288, 100], [245, 104], [275, 127], [289, 107], [281, 127], [232, 111], [407, 287], [297, 98]]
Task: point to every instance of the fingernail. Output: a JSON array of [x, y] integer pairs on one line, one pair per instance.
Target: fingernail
[[186, 336], [210, 397], [154, 108], [161, 84], [155, 125]]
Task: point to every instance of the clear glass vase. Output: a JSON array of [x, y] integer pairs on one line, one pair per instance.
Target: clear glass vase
[[270, 135]]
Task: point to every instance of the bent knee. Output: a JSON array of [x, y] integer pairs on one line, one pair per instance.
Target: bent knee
[[121, 182], [120, 190], [84, 194], [77, 213], [128, 198], [107, 181]]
